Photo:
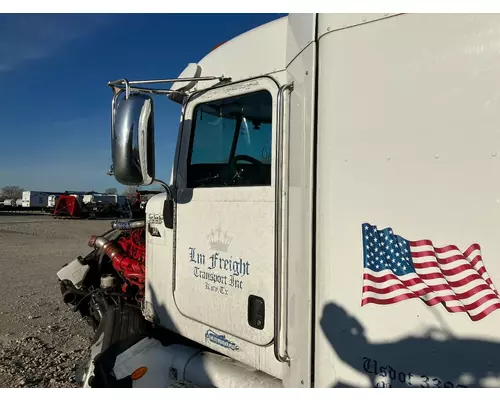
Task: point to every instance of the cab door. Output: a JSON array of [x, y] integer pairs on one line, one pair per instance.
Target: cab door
[[225, 210]]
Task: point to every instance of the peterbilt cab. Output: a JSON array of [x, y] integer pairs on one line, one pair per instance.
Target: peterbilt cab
[[315, 231]]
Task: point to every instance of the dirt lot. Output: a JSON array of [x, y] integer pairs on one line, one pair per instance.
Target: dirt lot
[[42, 343]]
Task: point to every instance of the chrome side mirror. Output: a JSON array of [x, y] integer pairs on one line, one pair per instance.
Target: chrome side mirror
[[132, 140]]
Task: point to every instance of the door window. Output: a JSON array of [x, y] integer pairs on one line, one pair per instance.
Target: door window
[[231, 142]]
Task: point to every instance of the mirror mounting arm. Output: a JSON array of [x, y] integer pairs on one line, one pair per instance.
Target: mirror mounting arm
[[167, 188], [131, 86]]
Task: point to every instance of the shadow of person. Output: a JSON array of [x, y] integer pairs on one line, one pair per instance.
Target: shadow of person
[[413, 361]]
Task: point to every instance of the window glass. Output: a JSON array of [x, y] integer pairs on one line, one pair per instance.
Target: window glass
[[231, 142], [255, 141]]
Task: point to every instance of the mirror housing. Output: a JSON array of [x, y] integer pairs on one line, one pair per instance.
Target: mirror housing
[[132, 141]]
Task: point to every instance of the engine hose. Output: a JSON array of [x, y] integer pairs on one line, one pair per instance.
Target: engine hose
[[132, 270], [71, 293], [128, 225], [99, 263], [98, 303], [68, 297]]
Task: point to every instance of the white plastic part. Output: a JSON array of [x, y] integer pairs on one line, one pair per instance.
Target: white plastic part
[[108, 282], [164, 364], [215, 370], [192, 70], [95, 349], [170, 365], [75, 272]]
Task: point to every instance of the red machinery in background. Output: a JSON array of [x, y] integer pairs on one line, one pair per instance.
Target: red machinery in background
[[68, 206], [92, 205]]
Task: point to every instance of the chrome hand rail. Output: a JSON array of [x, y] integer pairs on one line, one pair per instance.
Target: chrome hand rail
[[280, 292]]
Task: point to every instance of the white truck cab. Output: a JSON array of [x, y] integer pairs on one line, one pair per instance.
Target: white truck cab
[[331, 216]]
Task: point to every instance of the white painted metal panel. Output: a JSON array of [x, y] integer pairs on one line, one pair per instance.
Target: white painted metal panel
[[408, 139], [257, 52], [300, 218], [333, 22], [160, 303], [301, 33], [219, 228]]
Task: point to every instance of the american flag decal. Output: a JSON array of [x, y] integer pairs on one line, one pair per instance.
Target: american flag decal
[[396, 269]]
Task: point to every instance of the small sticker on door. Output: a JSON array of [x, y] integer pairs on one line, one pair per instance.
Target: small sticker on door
[[221, 340]]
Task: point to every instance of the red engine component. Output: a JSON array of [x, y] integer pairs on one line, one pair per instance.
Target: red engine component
[[134, 245], [127, 257]]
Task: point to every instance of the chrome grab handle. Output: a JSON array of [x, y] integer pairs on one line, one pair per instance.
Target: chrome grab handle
[[280, 290]]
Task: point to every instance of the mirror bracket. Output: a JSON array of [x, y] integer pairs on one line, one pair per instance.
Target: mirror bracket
[[132, 86], [168, 189]]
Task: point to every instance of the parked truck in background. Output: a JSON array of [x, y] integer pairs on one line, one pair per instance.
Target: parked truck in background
[[102, 198], [330, 219]]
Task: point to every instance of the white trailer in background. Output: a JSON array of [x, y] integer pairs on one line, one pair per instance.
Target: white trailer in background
[[33, 199], [9, 202]]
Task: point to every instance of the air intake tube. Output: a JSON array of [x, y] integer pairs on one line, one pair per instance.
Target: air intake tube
[[132, 270], [127, 225], [70, 293]]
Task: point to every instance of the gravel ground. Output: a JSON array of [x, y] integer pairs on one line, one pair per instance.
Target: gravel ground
[[42, 343]]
